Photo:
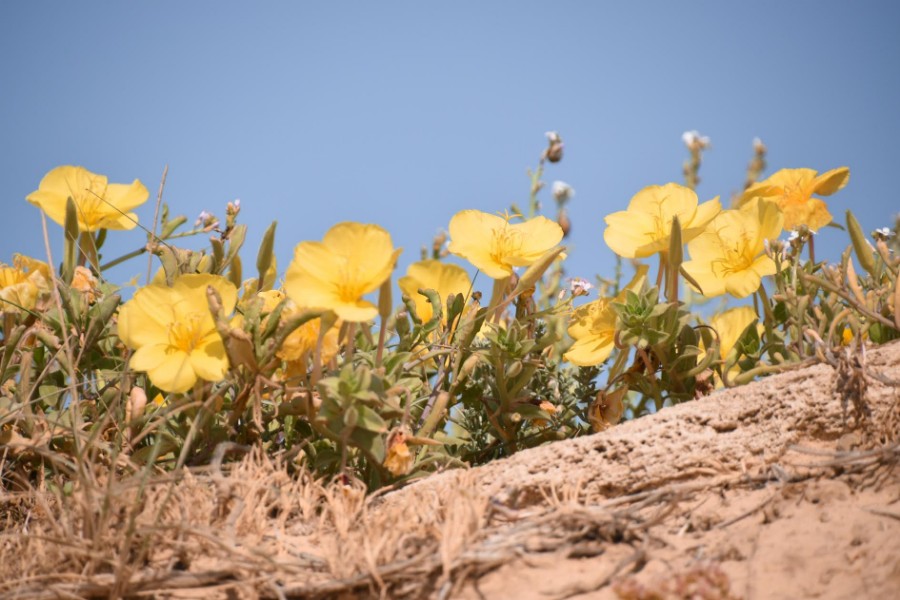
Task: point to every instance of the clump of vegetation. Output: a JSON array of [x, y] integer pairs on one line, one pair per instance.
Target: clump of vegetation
[[322, 364]]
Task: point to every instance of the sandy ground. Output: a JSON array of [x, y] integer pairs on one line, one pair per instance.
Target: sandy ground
[[786, 488]]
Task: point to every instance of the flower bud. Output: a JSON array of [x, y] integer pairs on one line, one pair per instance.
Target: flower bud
[[554, 151]]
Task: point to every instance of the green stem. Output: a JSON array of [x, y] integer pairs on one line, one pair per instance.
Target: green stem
[[768, 315]]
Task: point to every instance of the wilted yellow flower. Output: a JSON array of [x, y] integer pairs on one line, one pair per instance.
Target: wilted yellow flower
[[98, 204], [444, 278], [729, 255], [22, 283], [593, 326], [646, 226], [173, 331], [85, 282], [399, 459], [352, 260], [793, 189], [495, 245]]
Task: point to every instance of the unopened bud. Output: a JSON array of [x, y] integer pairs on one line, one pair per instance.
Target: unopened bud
[[554, 151]]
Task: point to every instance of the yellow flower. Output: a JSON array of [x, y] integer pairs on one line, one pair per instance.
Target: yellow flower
[[173, 331], [301, 343], [593, 326], [441, 277], [495, 246], [793, 189], [351, 261], [99, 205], [22, 283], [730, 325], [646, 226], [728, 256]]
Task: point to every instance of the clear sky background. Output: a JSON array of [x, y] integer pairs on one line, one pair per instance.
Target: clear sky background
[[403, 113]]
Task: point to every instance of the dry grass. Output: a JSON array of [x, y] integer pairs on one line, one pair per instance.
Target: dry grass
[[259, 527]]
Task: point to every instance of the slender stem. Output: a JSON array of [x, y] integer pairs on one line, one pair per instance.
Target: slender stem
[[812, 248], [162, 184], [663, 262], [767, 310]]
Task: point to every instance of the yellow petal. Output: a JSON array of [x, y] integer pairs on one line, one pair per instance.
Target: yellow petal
[[702, 272], [633, 235], [444, 278], [831, 181], [589, 352], [174, 374], [150, 356], [789, 178], [209, 361], [126, 197], [730, 325], [355, 312], [706, 212], [539, 235], [742, 284]]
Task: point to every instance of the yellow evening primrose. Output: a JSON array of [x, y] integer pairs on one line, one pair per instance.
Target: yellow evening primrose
[[444, 278], [730, 325], [495, 245], [593, 326], [301, 343], [793, 189], [352, 260], [173, 331], [22, 283], [646, 226], [729, 256], [98, 204]]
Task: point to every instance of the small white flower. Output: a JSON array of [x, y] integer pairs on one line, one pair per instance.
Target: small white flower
[[693, 138], [884, 232], [579, 286], [553, 136], [794, 235], [562, 191], [758, 144], [202, 218]]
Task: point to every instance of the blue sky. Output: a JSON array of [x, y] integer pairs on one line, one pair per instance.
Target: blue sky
[[403, 113]]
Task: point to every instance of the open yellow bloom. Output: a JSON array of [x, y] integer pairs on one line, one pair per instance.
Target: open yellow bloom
[[99, 204], [22, 283], [352, 260], [646, 226], [173, 331], [495, 245], [593, 326], [728, 256], [441, 277], [793, 189]]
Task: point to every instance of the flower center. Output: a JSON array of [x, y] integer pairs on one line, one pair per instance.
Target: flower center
[[350, 284], [186, 333], [505, 242], [90, 209], [797, 194], [736, 255]]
